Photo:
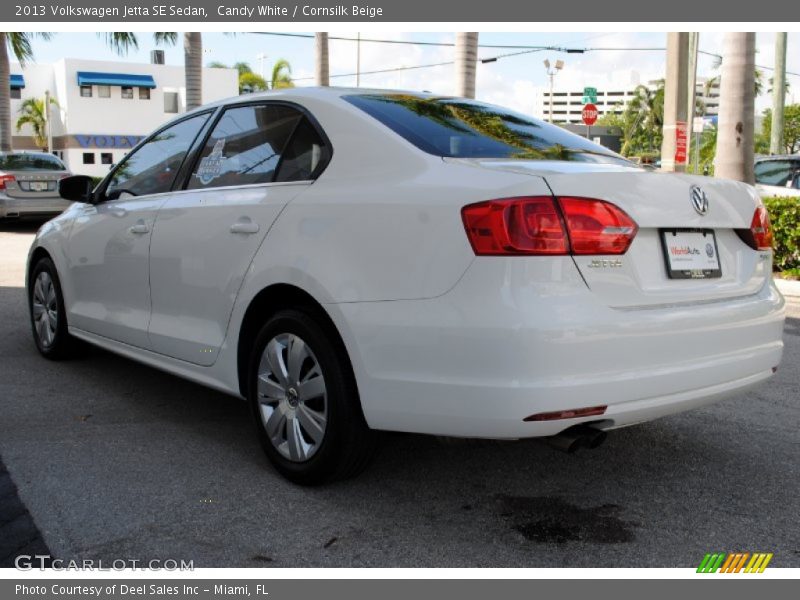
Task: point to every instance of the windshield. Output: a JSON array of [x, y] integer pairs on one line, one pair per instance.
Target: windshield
[[457, 127], [30, 162]]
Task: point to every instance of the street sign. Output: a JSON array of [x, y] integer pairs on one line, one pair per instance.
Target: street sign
[[680, 142], [589, 95], [698, 125], [589, 114]]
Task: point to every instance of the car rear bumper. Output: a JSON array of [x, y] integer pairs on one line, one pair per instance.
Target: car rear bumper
[[515, 338], [20, 207]]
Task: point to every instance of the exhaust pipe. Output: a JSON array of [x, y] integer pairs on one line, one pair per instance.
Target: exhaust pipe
[[576, 437]]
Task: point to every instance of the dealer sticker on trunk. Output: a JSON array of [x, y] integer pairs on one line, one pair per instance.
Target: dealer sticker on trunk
[[691, 254]]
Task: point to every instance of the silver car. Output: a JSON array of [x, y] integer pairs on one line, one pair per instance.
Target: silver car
[[29, 184]]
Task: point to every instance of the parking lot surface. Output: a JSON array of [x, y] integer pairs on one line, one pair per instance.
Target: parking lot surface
[[115, 460]]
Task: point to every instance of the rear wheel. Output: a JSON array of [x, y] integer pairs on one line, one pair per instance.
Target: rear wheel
[[304, 400], [48, 317]]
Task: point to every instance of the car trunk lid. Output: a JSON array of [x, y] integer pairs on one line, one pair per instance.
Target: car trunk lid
[[660, 203]]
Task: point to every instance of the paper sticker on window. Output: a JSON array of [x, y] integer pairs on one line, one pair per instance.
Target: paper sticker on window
[[211, 166]]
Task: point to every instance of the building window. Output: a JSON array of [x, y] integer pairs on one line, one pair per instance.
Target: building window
[[106, 158], [16, 93], [88, 158], [127, 92], [144, 93], [103, 91], [86, 91], [170, 102]]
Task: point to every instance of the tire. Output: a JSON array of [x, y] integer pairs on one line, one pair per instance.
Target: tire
[[50, 333], [313, 431]]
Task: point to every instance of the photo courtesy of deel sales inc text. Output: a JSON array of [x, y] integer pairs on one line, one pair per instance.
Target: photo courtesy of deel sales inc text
[[398, 299]]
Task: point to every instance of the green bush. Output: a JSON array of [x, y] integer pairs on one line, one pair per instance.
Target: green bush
[[784, 213]]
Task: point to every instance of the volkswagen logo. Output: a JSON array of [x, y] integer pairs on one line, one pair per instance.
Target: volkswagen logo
[[699, 199]]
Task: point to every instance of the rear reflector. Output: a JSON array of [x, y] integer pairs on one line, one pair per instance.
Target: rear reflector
[[574, 413], [544, 225]]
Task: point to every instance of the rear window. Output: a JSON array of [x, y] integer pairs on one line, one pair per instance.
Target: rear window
[[30, 162], [457, 127]]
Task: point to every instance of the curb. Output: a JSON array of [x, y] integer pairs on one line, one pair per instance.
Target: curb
[[788, 287]]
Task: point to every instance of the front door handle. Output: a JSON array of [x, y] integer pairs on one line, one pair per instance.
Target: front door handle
[[245, 225], [140, 227]]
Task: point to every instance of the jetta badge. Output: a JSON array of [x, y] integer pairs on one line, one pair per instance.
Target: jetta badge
[[699, 199]]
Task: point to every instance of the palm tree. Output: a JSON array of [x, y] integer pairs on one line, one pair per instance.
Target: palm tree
[[193, 68], [322, 75], [466, 59], [735, 142], [32, 112], [281, 75], [20, 44]]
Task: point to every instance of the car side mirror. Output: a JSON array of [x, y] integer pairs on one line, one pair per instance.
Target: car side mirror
[[76, 188]]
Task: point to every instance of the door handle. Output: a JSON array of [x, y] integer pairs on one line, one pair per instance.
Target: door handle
[[245, 225], [140, 227]]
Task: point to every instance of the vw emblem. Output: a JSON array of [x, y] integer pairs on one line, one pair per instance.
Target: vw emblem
[[699, 199]]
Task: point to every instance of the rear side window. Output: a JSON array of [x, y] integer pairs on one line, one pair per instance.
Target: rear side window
[[304, 154], [245, 146], [30, 162], [151, 169], [457, 127]]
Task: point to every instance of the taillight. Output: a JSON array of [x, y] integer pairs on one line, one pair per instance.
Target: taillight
[[759, 236], [544, 225], [4, 178], [762, 229]]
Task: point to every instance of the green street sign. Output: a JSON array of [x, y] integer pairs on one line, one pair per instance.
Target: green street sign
[[589, 100], [590, 91]]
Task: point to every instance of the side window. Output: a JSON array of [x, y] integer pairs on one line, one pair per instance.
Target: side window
[[245, 146], [152, 168], [773, 172], [305, 152]]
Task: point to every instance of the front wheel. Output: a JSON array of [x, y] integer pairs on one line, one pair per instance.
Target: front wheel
[[48, 317], [305, 402]]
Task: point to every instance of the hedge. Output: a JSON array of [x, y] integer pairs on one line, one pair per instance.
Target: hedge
[[784, 213]]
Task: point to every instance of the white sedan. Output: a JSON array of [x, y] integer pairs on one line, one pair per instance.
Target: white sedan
[[351, 261]]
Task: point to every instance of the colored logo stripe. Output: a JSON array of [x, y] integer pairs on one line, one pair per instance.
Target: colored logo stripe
[[734, 563]]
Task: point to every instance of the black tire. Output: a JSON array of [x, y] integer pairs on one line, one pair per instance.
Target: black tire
[[63, 344], [348, 444]]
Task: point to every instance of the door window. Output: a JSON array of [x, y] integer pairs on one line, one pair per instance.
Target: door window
[[152, 168], [773, 172], [245, 146]]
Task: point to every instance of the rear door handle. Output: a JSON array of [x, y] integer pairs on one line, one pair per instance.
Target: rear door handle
[[140, 227], [245, 225]]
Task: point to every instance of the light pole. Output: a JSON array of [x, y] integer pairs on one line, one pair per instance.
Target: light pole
[[551, 73]]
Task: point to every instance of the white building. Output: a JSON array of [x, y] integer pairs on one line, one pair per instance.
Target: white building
[[613, 94], [105, 108]]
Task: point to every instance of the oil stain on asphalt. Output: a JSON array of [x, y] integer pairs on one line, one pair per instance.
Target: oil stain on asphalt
[[552, 520]]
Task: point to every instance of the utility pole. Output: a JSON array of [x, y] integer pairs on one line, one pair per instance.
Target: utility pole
[[321, 59], [358, 60], [466, 59], [675, 94], [778, 95], [551, 73], [691, 107]]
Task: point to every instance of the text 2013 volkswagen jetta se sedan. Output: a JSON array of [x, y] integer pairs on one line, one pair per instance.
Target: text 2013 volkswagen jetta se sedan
[[353, 260]]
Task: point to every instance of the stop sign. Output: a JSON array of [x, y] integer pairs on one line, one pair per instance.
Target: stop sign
[[589, 114]]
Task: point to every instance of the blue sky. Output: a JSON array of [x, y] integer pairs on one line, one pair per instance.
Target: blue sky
[[508, 81]]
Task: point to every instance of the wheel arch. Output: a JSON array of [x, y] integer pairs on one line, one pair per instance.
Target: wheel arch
[[266, 303], [37, 254]]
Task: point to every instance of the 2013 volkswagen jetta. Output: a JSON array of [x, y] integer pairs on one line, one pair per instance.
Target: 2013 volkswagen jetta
[[351, 260]]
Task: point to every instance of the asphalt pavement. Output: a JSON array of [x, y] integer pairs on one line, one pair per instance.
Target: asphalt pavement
[[115, 460]]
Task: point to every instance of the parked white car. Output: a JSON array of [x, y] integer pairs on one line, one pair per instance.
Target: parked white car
[[351, 260]]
